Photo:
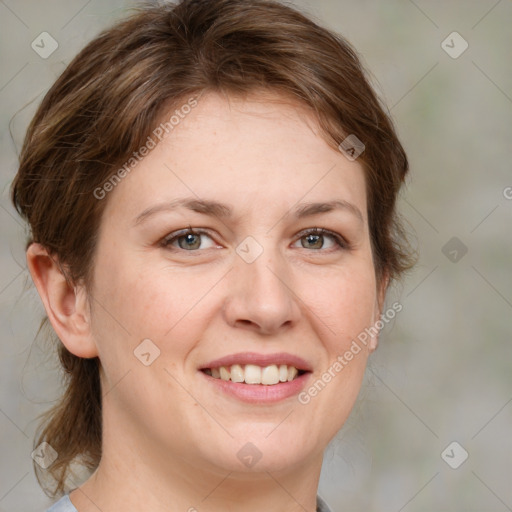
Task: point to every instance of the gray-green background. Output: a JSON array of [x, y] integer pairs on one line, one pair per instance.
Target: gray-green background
[[442, 372]]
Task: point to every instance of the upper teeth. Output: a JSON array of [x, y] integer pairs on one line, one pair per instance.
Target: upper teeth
[[252, 374]]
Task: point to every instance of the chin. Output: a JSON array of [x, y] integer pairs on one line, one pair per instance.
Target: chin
[[267, 451]]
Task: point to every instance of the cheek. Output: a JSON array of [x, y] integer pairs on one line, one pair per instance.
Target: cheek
[[344, 300], [137, 300], [345, 303]]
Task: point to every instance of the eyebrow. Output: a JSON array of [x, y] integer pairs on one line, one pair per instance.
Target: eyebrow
[[221, 210]]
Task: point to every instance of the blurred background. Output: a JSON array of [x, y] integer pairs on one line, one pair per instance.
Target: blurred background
[[432, 428]]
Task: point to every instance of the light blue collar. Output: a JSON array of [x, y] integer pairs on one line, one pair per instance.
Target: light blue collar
[[65, 505]]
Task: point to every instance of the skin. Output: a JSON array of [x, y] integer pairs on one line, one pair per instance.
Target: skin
[[170, 438]]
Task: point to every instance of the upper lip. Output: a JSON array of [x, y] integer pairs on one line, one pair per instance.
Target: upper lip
[[243, 358]]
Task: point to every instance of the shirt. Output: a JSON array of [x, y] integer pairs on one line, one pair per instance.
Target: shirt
[[65, 505]]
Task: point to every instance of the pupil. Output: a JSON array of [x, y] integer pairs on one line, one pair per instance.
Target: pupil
[[314, 239], [191, 241]]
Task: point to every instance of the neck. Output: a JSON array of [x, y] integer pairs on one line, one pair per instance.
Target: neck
[[138, 488], [134, 475]]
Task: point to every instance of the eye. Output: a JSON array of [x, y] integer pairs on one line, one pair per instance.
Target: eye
[[194, 239], [188, 240], [314, 238]]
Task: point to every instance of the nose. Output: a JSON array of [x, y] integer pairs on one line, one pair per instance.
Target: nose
[[261, 297]]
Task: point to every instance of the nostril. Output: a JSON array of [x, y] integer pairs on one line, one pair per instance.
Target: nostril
[[245, 323]]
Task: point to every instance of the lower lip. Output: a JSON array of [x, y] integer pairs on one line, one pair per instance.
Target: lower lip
[[260, 393]]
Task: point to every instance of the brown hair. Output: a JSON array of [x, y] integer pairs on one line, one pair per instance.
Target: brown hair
[[112, 95]]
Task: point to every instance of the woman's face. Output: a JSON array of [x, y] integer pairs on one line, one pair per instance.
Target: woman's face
[[250, 287]]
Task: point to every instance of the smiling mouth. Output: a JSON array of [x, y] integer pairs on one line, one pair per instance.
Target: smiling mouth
[[253, 374]]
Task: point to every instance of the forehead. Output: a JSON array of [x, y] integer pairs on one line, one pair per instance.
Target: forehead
[[256, 150]]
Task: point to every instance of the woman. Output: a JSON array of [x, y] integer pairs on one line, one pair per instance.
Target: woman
[[211, 193]]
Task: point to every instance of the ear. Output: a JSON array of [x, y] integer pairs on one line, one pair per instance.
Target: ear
[[382, 287], [66, 304]]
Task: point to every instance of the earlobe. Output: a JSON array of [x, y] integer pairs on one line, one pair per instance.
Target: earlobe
[[374, 339], [379, 305], [66, 304]]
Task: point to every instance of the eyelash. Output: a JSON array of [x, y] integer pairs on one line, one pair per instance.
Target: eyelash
[[341, 242]]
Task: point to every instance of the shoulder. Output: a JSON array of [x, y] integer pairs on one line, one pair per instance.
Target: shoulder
[[321, 506], [63, 505]]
